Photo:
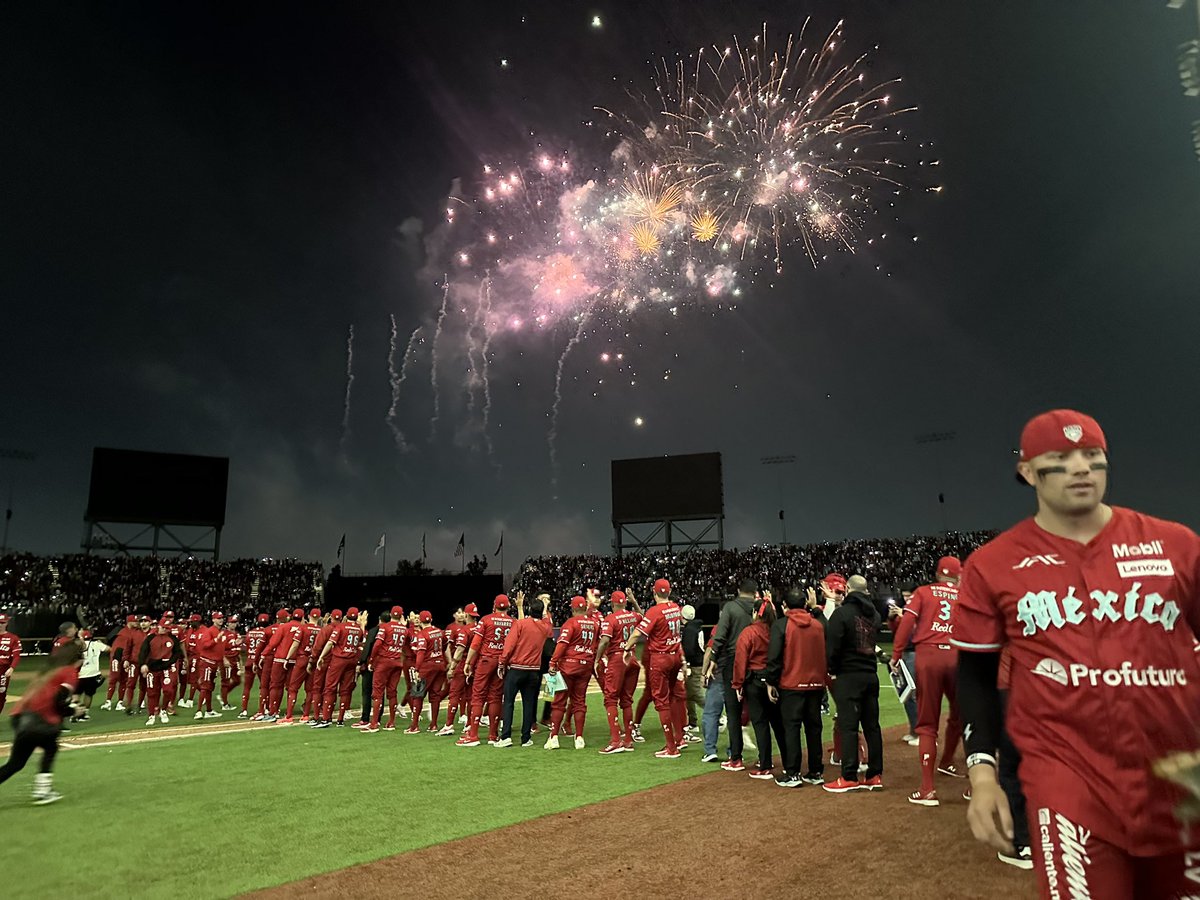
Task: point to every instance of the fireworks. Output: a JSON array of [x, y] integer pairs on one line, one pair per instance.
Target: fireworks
[[705, 227]]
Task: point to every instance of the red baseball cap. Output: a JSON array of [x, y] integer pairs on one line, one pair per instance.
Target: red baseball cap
[[164, 622], [662, 586], [85, 634], [194, 617], [425, 616], [315, 612], [336, 615], [283, 615], [297, 613], [3, 618], [501, 602], [352, 612], [262, 619], [1061, 431], [145, 618], [835, 581], [218, 614], [169, 614], [471, 610], [578, 603], [129, 619], [233, 619], [949, 566], [618, 597], [397, 610]]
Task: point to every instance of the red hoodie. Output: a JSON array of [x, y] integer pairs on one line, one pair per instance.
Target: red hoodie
[[523, 645], [750, 653], [796, 657]]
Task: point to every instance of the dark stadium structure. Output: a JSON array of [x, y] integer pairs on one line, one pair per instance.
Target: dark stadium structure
[[671, 503]]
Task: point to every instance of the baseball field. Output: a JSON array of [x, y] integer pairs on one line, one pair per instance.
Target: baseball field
[[226, 807]]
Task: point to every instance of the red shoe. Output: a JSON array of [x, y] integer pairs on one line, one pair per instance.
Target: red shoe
[[761, 774], [627, 746], [370, 729], [611, 749], [303, 719], [733, 765], [923, 798], [667, 753], [287, 720], [874, 784], [389, 727], [360, 725], [413, 730], [842, 786], [465, 741]]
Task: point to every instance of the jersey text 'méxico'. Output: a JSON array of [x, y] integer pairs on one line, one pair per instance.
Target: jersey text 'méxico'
[[662, 625]]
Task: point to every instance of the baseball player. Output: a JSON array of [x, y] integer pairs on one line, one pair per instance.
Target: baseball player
[[483, 660], [321, 670], [459, 692], [301, 674], [191, 637], [574, 656], [280, 655], [10, 655], [429, 655], [1098, 608], [231, 665], [116, 665], [254, 641], [176, 630], [210, 651], [387, 662], [926, 622], [661, 626], [156, 662], [618, 679], [342, 648], [266, 664], [133, 678]]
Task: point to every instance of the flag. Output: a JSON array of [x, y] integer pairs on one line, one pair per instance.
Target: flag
[[499, 546], [422, 545], [461, 549], [341, 547], [382, 542]]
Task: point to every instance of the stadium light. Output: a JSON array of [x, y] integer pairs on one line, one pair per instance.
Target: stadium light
[[1175, 4], [1189, 67]]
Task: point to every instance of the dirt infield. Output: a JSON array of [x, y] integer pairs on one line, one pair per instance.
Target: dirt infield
[[716, 835]]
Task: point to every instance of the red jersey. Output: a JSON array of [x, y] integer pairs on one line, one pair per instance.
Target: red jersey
[[10, 650], [211, 645], [1104, 677], [158, 648], [750, 652], [233, 644], [488, 635], [346, 640], [391, 643], [133, 645], [662, 625], [576, 641], [617, 627], [429, 647], [286, 634], [191, 639], [44, 700], [524, 643], [452, 630], [926, 618], [309, 641], [121, 643], [461, 640], [321, 639], [255, 640], [178, 632]]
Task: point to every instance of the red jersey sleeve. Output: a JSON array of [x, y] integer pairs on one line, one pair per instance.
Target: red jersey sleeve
[[976, 619], [565, 636], [421, 648], [908, 623], [740, 654]]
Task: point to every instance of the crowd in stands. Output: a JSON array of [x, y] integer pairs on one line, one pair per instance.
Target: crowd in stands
[[102, 590], [888, 563]]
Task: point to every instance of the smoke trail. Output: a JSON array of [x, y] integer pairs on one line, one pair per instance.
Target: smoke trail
[[485, 309], [397, 379], [433, 368], [349, 384], [472, 371], [552, 437]]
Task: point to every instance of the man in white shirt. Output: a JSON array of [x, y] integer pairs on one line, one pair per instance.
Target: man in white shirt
[[89, 674]]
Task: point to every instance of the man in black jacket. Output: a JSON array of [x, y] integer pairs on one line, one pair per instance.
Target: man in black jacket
[[850, 650], [718, 660], [368, 677]]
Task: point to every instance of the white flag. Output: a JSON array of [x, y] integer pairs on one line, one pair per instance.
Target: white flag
[[382, 541]]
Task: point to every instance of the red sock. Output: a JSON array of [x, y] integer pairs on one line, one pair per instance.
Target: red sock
[[627, 716], [642, 705], [927, 749], [669, 733], [580, 718], [495, 711], [434, 711], [417, 703], [614, 724], [556, 719]]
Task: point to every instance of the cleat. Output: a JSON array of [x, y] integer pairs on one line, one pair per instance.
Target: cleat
[[552, 742], [786, 780], [922, 798], [225, 707], [370, 729], [627, 746], [467, 741], [446, 731], [911, 739], [321, 724], [46, 798], [120, 707], [636, 731], [151, 720], [1021, 857], [412, 730], [733, 765], [611, 749], [527, 744], [951, 770], [667, 753], [389, 727], [762, 774], [502, 743], [107, 704], [579, 744], [199, 714], [842, 786], [243, 715], [340, 723], [304, 720], [360, 725], [162, 717], [286, 720]]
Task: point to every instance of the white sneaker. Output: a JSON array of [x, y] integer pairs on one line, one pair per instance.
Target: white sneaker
[[151, 720], [120, 706], [552, 742], [528, 743], [199, 714], [485, 720], [579, 745], [748, 738], [49, 797], [462, 720], [503, 742], [107, 704], [162, 717], [212, 714], [226, 707], [446, 731]]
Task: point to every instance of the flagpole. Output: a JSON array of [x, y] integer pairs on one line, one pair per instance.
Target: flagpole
[[384, 571], [464, 562]]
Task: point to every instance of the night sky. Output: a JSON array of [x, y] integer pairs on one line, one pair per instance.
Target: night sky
[[198, 204]]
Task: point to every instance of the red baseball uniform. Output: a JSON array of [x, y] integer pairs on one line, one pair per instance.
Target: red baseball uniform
[[346, 642], [231, 672], [662, 625], [320, 671], [487, 639], [255, 640], [190, 640], [300, 676], [619, 679], [458, 698], [387, 662], [1104, 680], [280, 654], [575, 657], [210, 651], [158, 654], [10, 655], [133, 678], [116, 664], [430, 656]]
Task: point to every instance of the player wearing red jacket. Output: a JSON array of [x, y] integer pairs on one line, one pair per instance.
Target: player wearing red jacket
[[319, 669], [255, 640], [575, 657], [231, 665], [156, 662], [618, 680], [483, 660], [176, 630], [457, 651], [266, 663], [210, 651], [116, 664], [301, 674], [133, 677], [1098, 607], [926, 622], [750, 683], [10, 655], [343, 648], [279, 655], [429, 655], [191, 637], [386, 663], [662, 626]]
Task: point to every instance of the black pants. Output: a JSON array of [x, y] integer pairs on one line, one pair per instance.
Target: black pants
[[733, 716], [857, 698], [801, 711], [526, 683], [765, 717], [368, 687], [32, 732], [1010, 760]]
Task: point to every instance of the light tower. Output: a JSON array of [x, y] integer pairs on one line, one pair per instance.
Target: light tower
[[1189, 67]]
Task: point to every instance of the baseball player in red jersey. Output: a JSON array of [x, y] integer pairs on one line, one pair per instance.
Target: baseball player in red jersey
[[926, 622], [483, 659], [254, 640], [618, 680], [116, 664], [301, 674], [387, 661], [280, 654], [156, 663], [10, 655], [319, 669], [210, 652], [266, 664], [342, 648], [191, 637], [231, 665], [176, 630], [458, 702], [662, 626], [1098, 608], [575, 657], [429, 656], [133, 677]]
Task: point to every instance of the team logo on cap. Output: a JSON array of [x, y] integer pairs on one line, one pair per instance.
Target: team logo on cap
[[1073, 433]]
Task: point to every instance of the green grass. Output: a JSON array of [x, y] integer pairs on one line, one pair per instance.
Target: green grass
[[214, 816]]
